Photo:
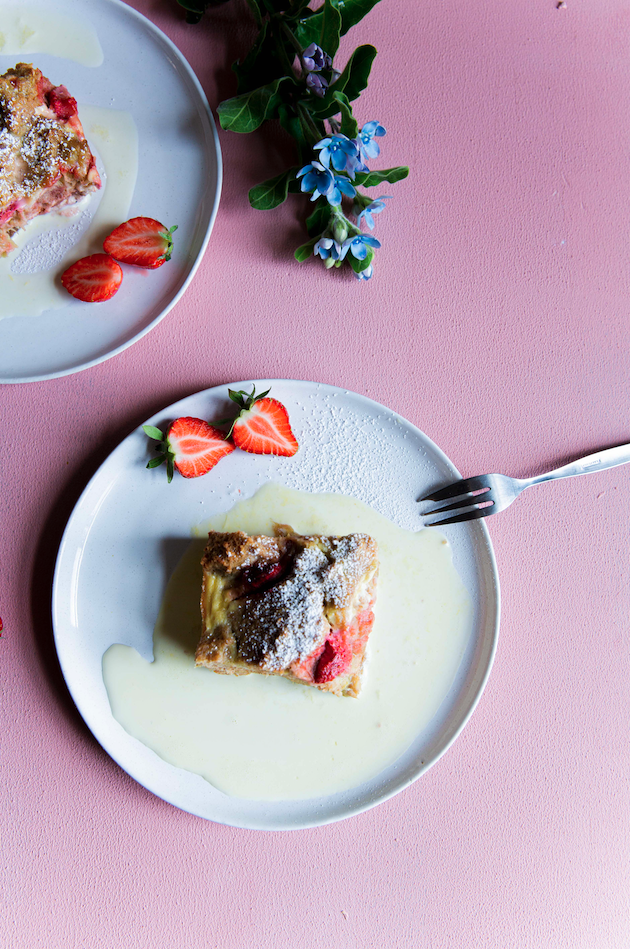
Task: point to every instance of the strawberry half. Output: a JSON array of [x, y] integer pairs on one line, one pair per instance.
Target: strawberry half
[[190, 445], [141, 241], [262, 426], [93, 279]]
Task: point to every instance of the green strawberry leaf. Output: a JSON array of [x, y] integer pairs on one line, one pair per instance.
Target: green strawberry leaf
[[152, 432], [156, 462]]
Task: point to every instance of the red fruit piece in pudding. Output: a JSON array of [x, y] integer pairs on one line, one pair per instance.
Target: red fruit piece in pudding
[[62, 103], [335, 658], [261, 576]]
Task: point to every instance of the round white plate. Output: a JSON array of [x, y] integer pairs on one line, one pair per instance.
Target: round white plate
[[179, 182], [130, 527]]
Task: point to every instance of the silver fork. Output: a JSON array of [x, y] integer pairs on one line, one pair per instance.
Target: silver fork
[[488, 494]]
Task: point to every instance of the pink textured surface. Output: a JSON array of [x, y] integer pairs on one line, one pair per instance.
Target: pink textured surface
[[497, 321]]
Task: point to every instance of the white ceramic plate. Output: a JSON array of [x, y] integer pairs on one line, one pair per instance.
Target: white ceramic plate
[[130, 527], [179, 182]]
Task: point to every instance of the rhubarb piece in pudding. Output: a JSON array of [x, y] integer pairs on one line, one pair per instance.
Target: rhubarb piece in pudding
[[289, 605], [45, 160]]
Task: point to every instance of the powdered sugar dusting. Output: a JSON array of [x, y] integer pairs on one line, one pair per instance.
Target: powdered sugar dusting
[[288, 622], [345, 451]]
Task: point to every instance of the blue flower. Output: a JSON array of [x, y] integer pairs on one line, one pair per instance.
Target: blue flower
[[366, 145], [315, 59], [327, 247], [374, 208], [317, 84], [359, 246], [319, 180], [337, 149], [341, 186], [365, 274]]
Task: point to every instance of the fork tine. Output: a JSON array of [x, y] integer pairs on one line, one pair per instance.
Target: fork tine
[[471, 502], [454, 490], [471, 515]]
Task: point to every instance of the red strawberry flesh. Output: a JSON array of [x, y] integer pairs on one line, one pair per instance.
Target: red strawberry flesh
[[141, 241], [264, 429], [334, 660], [93, 279], [197, 446], [62, 103]]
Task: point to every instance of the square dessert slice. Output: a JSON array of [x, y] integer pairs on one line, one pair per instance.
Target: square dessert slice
[[290, 605], [45, 160]]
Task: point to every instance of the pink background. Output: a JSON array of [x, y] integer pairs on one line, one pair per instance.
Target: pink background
[[497, 321]]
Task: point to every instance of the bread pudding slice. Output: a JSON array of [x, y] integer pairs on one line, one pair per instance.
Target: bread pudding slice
[[45, 160], [289, 605]]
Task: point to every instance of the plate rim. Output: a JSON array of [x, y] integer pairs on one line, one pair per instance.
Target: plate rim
[[401, 783], [207, 111]]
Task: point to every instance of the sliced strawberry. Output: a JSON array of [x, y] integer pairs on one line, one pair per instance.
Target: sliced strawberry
[[141, 241], [334, 660], [93, 279], [191, 445], [262, 426]]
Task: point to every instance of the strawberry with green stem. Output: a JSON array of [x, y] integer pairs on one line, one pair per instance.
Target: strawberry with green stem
[[262, 425], [191, 445], [141, 241]]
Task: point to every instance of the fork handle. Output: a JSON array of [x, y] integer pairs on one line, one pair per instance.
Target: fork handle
[[598, 461]]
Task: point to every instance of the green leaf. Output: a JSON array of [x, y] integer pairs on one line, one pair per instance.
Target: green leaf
[[348, 124], [196, 7], [291, 124], [317, 222], [331, 28], [156, 462], [249, 67], [305, 250], [354, 77], [254, 7], [269, 194], [153, 433], [370, 178], [247, 112], [352, 11], [309, 28]]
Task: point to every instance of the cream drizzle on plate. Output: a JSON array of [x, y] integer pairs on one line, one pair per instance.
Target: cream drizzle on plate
[[45, 30], [263, 737]]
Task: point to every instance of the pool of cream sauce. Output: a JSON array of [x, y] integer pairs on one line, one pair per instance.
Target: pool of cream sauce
[[263, 737], [44, 29]]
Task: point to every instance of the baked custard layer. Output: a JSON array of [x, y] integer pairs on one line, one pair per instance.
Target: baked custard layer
[[291, 605]]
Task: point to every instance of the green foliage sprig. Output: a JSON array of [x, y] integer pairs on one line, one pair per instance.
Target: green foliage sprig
[[289, 75]]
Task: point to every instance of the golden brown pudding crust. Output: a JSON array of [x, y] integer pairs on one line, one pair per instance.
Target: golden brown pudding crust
[[292, 605], [45, 160]]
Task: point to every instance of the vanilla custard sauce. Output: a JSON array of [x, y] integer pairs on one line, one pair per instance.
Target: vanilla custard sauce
[[51, 242], [263, 737], [44, 29]]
